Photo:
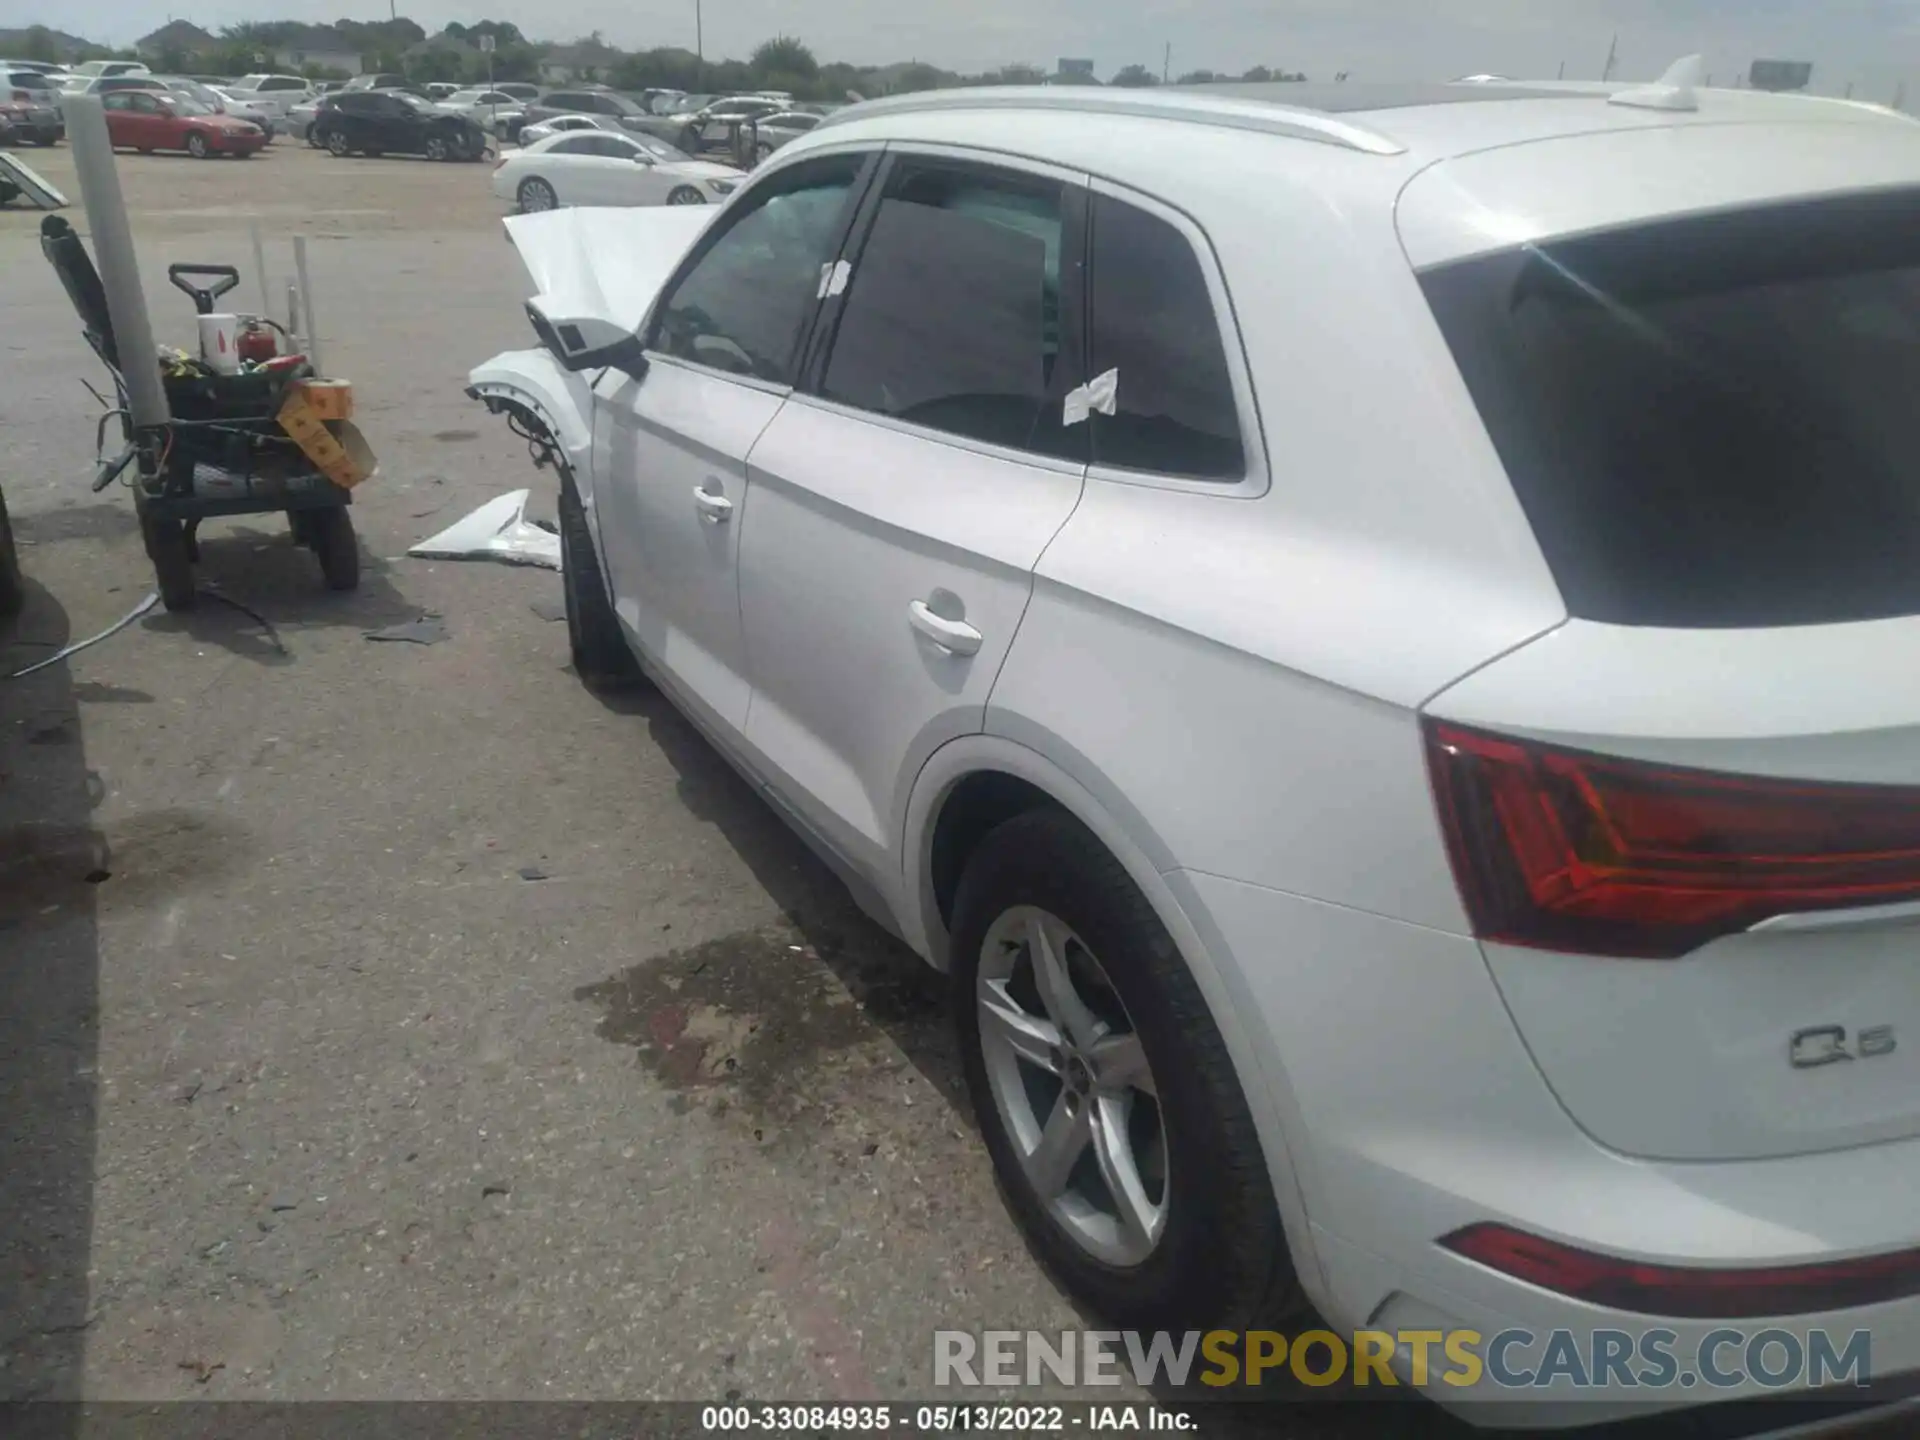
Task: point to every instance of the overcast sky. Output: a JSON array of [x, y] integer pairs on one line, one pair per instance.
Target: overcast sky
[[1873, 42]]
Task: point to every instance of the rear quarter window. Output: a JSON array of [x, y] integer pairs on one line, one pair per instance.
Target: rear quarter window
[[1710, 422]]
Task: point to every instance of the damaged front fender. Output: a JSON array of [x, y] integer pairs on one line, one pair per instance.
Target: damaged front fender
[[550, 401]]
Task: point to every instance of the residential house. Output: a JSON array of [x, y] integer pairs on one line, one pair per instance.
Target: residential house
[[319, 46], [579, 64]]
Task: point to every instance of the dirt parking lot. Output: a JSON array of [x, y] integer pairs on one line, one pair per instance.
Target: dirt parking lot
[[384, 1021]]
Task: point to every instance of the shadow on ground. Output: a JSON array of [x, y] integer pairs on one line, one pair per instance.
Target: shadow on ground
[[51, 860]]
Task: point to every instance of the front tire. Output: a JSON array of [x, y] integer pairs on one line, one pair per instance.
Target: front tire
[[600, 655], [535, 195], [1117, 1128], [685, 195], [437, 148], [197, 147], [335, 546], [172, 555], [336, 143]]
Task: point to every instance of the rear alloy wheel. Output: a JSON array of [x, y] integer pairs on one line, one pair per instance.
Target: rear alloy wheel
[[437, 148], [337, 143], [1118, 1131], [686, 195], [197, 146], [536, 195]]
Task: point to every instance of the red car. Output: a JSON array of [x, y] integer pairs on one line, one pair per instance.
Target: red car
[[147, 120]]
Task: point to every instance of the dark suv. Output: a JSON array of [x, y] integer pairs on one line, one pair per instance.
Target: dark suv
[[391, 122]]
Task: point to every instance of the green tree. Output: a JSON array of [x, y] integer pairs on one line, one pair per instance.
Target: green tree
[[784, 55], [1259, 75], [40, 45], [1017, 75], [437, 65], [1199, 77], [173, 60], [1135, 77], [917, 77]]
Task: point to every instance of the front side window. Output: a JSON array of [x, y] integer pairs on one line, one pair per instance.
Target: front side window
[[952, 317], [746, 302], [1155, 332], [1709, 421]]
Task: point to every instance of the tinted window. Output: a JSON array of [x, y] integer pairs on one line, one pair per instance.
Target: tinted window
[[747, 299], [283, 84], [28, 80], [1710, 422], [1153, 324], [361, 103], [576, 145], [952, 314]]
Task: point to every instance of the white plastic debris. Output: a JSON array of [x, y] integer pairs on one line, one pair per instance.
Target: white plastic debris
[[498, 530]]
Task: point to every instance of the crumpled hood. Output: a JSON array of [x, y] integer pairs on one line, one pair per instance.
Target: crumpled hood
[[609, 263]]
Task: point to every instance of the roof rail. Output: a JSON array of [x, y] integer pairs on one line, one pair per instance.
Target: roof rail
[[1195, 109]]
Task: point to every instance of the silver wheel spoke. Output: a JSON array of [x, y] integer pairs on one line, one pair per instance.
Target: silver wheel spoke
[[1140, 1219], [1120, 1063], [1002, 1021], [1047, 947], [1051, 1160]]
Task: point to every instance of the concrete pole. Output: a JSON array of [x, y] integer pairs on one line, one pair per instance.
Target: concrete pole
[[312, 336], [114, 257]]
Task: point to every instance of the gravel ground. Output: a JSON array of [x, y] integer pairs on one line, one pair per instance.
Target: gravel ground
[[308, 1088]]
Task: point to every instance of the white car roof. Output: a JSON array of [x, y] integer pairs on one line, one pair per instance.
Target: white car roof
[[1546, 159]]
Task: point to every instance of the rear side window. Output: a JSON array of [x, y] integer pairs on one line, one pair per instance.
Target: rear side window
[[1155, 330], [952, 317], [1710, 422]]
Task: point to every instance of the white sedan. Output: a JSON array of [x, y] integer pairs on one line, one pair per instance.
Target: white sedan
[[601, 168], [564, 124]]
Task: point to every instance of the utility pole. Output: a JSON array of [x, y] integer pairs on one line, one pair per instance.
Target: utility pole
[[1166, 63], [1563, 71], [1613, 56], [1849, 94], [699, 48], [1900, 96]]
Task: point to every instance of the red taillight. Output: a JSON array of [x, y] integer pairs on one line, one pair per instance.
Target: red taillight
[[1687, 1292], [1563, 850]]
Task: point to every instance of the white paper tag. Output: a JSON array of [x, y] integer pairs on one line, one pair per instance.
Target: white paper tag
[[1101, 393]]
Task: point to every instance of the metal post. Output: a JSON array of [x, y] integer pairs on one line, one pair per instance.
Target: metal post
[[306, 300], [699, 50], [293, 315], [114, 257], [260, 269]]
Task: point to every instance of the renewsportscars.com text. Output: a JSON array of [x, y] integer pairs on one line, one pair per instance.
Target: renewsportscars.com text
[[1649, 1359]]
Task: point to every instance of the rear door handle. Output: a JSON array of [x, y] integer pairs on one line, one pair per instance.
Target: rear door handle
[[956, 637], [714, 509]]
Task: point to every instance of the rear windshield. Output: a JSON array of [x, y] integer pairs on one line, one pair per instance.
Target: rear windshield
[[1710, 422]]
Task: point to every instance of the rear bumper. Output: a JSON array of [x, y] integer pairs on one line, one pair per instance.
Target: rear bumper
[[1413, 1109]]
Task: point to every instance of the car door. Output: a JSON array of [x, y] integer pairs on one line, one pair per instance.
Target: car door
[[903, 496], [579, 172], [670, 448], [624, 172], [124, 128]]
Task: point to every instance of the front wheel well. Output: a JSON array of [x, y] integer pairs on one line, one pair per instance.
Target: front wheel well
[[973, 808]]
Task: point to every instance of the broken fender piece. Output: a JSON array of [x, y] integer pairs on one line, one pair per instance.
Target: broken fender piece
[[427, 630], [498, 530]]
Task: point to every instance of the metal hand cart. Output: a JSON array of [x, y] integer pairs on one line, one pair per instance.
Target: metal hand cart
[[227, 449]]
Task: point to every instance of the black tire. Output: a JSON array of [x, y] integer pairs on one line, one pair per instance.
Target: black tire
[[439, 148], [1222, 1259], [330, 534], [685, 195], [172, 555], [197, 146], [336, 143], [600, 655], [536, 195], [13, 587]]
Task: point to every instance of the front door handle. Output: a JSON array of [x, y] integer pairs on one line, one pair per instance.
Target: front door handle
[[956, 637], [714, 509]]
